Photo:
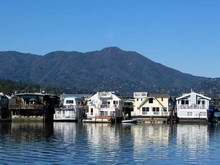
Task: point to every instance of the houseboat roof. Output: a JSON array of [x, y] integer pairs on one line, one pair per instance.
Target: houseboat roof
[[105, 95], [188, 94], [36, 94], [146, 94], [159, 95], [76, 95]]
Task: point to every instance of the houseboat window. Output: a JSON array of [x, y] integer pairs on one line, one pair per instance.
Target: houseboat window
[[112, 113], [198, 102], [91, 111], [115, 102], [145, 110], [189, 113], [104, 113], [162, 99], [108, 102], [187, 102], [151, 100], [182, 102], [203, 102], [156, 109], [203, 114], [137, 99], [69, 101]]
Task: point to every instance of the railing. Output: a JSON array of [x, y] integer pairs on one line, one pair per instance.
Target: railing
[[104, 117], [108, 106], [192, 106], [104, 106], [156, 113], [28, 106]]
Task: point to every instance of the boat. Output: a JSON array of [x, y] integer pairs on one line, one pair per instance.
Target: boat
[[134, 121], [71, 109]]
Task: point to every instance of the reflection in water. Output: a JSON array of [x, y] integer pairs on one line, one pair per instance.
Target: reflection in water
[[194, 139], [150, 141], [66, 131], [70, 143]]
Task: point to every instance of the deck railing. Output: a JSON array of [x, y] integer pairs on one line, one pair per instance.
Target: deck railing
[[194, 106], [26, 106]]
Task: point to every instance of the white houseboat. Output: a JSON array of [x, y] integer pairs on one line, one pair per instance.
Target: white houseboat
[[150, 105], [104, 107], [71, 108], [192, 107]]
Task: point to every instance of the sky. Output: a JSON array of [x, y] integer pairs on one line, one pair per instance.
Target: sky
[[182, 34]]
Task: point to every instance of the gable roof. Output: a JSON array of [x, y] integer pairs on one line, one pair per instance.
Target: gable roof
[[189, 94]]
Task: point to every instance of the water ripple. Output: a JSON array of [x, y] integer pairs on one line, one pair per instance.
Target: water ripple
[[70, 143]]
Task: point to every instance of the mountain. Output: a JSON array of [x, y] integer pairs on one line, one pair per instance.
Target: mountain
[[108, 69]]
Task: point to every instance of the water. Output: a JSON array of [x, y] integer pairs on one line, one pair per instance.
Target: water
[[70, 143]]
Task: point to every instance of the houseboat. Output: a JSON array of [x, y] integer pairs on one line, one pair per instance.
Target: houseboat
[[127, 108], [104, 107], [192, 107], [151, 107], [32, 107], [71, 109], [4, 111]]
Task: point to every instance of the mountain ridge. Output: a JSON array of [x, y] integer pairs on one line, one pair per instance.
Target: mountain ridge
[[108, 69]]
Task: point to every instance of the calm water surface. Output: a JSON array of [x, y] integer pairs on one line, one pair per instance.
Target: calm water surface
[[70, 143]]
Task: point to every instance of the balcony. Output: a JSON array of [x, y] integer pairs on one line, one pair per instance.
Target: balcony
[[104, 106], [192, 106]]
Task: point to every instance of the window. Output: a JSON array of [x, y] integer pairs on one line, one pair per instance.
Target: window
[[198, 102], [151, 100], [115, 102], [137, 99], [145, 110], [156, 109], [69, 101], [91, 110], [108, 102], [189, 113], [203, 114], [162, 99], [105, 113], [182, 102], [112, 113], [203, 102]]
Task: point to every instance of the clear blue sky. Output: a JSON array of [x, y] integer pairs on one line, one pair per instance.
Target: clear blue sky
[[183, 34]]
